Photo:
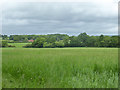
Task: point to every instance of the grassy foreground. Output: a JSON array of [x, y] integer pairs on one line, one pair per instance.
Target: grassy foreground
[[60, 67]]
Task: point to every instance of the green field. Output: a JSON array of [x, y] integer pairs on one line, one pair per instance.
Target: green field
[[60, 67], [18, 45]]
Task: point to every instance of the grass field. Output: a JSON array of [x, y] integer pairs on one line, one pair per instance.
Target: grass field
[[18, 45], [60, 67]]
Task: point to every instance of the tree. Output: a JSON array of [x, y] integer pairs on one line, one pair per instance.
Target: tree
[[114, 41], [59, 43], [4, 37], [92, 41], [83, 39], [51, 39], [101, 41], [66, 42], [25, 40], [38, 42], [107, 41], [4, 44], [74, 41], [47, 45], [16, 38], [11, 37]]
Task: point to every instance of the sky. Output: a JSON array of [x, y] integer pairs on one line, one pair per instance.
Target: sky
[[95, 17]]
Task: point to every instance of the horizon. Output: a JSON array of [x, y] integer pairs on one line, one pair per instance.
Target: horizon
[[64, 34]]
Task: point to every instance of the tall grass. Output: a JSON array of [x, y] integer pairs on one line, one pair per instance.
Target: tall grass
[[0, 68], [60, 68]]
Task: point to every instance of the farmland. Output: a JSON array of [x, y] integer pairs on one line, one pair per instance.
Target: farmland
[[18, 45], [60, 67]]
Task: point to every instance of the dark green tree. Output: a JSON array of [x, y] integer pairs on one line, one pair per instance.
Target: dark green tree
[[38, 43]]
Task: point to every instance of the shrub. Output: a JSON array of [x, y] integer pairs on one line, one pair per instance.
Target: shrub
[[4, 44], [11, 46]]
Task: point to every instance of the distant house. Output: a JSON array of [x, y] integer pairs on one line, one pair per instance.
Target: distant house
[[30, 40]]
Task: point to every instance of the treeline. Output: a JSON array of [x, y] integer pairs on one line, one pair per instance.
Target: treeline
[[63, 40]]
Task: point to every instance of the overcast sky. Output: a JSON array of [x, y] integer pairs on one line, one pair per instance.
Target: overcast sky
[[93, 17]]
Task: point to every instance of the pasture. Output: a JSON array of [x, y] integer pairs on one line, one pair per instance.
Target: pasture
[[18, 45], [60, 67]]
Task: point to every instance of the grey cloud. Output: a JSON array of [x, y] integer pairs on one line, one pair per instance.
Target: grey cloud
[[34, 18]]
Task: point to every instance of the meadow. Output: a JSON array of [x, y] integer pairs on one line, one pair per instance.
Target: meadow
[[60, 67], [18, 45]]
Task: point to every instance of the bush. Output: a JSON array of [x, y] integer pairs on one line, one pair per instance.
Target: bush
[[4, 44], [10, 46]]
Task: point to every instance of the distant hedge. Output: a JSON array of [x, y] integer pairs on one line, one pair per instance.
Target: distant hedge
[[4, 43]]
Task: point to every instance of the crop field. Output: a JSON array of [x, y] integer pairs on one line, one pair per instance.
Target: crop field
[[60, 67]]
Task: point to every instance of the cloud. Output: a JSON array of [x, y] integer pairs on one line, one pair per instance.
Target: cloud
[[70, 18]]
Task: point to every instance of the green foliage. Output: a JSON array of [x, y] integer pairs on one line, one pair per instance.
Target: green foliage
[[83, 38], [74, 41], [59, 43], [38, 43], [5, 37], [0, 44], [63, 40], [4, 43], [66, 42], [25, 40], [47, 45], [114, 41]]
